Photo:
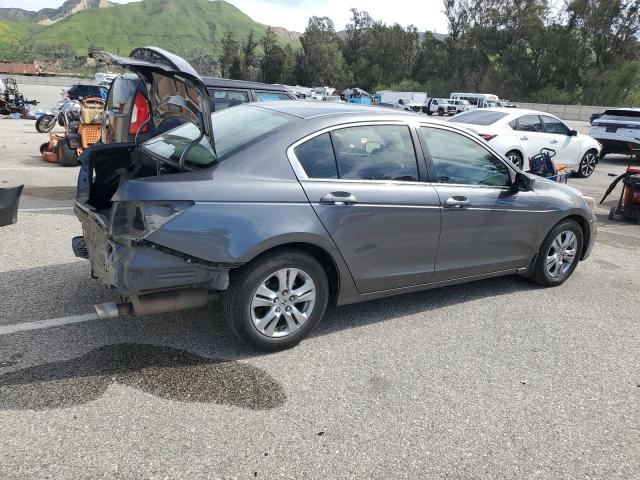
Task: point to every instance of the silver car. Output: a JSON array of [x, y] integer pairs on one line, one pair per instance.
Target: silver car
[[282, 209]]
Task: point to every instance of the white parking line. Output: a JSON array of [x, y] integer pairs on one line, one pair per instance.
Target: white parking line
[[44, 209], [51, 322]]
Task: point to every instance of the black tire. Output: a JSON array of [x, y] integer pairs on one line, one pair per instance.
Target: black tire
[[429, 112], [587, 164], [67, 156], [237, 299], [515, 157], [45, 123], [440, 112], [540, 274]]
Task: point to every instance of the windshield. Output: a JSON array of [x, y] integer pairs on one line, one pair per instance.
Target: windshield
[[478, 117], [233, 129]]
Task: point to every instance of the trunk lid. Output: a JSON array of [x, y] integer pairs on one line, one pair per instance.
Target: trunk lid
[[176, 93]]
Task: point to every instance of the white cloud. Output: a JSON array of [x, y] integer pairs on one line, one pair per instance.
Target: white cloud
[[426, 15]]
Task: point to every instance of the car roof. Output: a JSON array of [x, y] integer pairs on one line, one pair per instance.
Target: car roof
[[308, 110], [245, 84], [515, 112]]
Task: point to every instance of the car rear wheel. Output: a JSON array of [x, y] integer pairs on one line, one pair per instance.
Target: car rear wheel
[[275, 301], [559, 254], [587, 164], [515, 157]]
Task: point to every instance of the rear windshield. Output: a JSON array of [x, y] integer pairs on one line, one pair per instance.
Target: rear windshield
[[233, 129], [478, 117]]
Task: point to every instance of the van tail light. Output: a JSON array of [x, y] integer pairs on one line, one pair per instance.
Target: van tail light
[[139, 115], [487, 136]]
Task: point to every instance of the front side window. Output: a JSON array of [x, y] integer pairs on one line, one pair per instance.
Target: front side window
[[529, 123], [271, 96], [375, 152], [459, 160], [553, 125], [221, 99]]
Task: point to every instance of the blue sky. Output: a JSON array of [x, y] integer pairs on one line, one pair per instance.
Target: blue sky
[[293, 15]]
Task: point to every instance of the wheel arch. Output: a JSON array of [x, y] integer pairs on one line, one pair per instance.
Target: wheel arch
[[584, 226], [321, 254]]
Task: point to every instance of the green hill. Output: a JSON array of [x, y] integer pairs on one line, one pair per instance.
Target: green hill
[[180, 26]]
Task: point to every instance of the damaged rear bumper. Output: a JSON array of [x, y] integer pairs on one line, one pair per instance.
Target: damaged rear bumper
[[137, 267]]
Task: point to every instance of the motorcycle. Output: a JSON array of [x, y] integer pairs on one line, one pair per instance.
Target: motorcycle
[[47, 121]]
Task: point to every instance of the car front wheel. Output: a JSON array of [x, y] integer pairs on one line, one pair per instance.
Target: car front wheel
[[587, 164], [559, 254], [275, 301]]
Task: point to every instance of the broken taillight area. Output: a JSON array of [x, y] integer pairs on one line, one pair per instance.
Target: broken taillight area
[[487, 136], [139, 115], [138, 219]]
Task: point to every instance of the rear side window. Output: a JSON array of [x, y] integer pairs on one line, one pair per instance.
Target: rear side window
[[221, 99], [459, 160], [529, 123], [316, 157], [478, 117], [375, 152], [271, 96]]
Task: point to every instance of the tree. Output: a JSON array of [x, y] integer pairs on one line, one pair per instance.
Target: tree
[[323, 50], [249, 61], [229, 52], [272, 61]]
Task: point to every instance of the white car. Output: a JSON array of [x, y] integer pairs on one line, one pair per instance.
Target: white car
[[520, 134], [461, 105], [618, 130]]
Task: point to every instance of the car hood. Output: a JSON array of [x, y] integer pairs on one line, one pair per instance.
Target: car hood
[[175, 88]]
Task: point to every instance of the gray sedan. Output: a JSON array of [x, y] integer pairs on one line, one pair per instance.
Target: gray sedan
[[282, 209]]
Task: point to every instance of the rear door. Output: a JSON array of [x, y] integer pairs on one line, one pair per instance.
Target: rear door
[[486, 226], [567, 147], [370, 192], [531, 135]]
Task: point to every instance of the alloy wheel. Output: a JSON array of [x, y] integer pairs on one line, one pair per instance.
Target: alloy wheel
[[588, 164], [283, 302], [515, 158], [561, 254]]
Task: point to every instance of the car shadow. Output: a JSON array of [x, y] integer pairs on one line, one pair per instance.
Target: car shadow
[[187, 356]]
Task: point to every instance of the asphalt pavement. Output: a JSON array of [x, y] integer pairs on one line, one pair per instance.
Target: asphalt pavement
[[493, 379]]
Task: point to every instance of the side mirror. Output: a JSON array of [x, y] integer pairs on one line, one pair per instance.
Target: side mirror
[[523, 182], [573, 133]]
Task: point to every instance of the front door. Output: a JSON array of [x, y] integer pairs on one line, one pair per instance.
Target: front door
[[367, 188], [486, 226]]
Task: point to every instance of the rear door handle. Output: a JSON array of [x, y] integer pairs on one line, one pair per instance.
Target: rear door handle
[[554, 141], [338, 198], [524, 138], [457, 202]]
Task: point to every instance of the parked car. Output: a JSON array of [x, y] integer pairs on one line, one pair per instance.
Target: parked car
[[226, 93], [408, 105], [333, 99], [441, 106], [519, 134], [478, 100], [79, 92], [285, 207], [618, 130], [461, 105]]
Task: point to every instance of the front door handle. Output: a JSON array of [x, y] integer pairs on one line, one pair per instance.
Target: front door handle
[[338, 198], [554, 141], [524, 138], [457, 202]]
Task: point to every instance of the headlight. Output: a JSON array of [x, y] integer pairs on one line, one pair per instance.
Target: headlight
[[591, 203], [138, 219]]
